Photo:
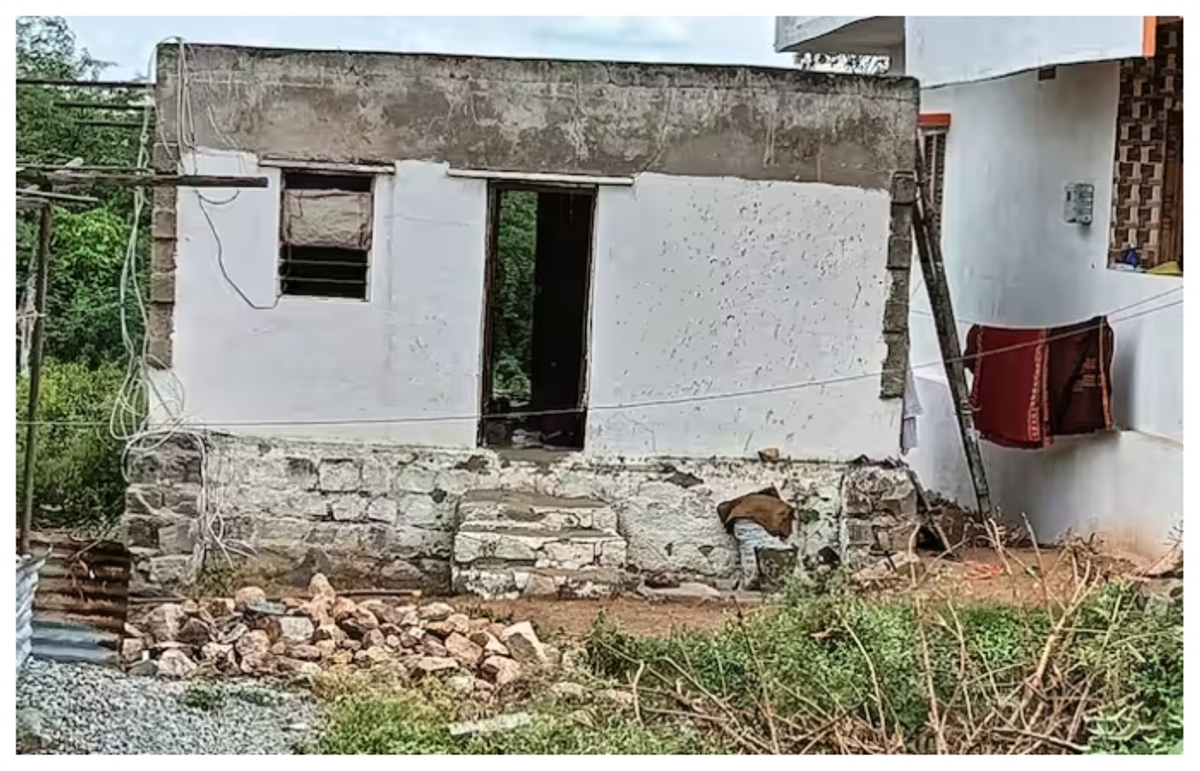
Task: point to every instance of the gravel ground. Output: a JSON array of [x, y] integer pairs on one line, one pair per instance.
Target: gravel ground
[[83, 709]]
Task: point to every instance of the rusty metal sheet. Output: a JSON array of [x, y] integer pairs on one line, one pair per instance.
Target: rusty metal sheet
[[82, 598]]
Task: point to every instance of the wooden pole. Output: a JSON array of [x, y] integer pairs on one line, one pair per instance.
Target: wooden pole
[[93, 179], [929, 250], [35, 370]]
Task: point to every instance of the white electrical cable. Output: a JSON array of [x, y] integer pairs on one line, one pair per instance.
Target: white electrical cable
[[140, 392]]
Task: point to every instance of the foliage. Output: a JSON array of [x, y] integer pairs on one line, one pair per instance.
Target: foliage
[[839, 673], [513, 289], [203, 696], [386, 719], [83, 322], [828, 671], [77, 473], [49, 133], [78, 468]]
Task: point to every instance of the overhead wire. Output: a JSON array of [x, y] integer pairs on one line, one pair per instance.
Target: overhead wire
[[701, 398], [141, 390]]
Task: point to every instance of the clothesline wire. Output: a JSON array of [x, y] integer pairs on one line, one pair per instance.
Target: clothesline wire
[[658, 402]]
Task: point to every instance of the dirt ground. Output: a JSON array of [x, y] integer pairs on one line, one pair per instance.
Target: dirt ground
[[978, 575], [571, 620]]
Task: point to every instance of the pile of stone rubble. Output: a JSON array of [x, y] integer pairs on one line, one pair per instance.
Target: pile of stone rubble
[[251, 636]]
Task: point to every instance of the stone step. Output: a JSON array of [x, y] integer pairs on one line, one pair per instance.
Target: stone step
[[564, 549], [509, 583], [505, 508]]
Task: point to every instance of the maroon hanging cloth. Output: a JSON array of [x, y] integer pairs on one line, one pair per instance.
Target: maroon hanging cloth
[[1031, 385]]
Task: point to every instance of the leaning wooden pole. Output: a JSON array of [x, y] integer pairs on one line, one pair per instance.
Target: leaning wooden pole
[[929, 251], [41, 283]]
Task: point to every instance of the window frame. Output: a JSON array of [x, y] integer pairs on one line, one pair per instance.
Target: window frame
[[355, 181], [934, 133]]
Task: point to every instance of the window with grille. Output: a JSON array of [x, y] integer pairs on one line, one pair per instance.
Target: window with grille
[[325, 239], [1147, 213], [933, 155]]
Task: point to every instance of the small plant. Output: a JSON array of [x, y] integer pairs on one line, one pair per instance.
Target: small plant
[[259, 697], [203, 696], [216, 579]]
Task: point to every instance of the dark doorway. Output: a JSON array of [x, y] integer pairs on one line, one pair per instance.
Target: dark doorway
[[535, 339]]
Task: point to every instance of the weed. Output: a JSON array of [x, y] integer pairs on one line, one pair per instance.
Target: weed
[[203, 696], [829, 671], [259, 697], [839, 673], [216, 579]]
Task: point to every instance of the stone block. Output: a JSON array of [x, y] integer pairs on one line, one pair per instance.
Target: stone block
[[415, 478], [177, 538], [140, 531], [339, 476], [612, 553], [301, 504], [376, 476], [142, 499], [472, 546], [301, 473], [162, 255], [895, 366], [569, 555], [419, 510], [895, 308], [183, 499], [381, 509], [162, 287], [868, 490], [282, 531], [411, 542], [171, 570], [347, 508]]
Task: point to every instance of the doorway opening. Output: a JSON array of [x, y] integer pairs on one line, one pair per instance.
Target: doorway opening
[[535, 335]]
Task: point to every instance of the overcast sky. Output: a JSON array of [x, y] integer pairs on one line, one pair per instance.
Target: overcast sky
[[128, 42]]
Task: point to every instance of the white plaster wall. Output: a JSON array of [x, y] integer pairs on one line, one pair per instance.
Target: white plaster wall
[[411, 350], [957, 49], [1012, 261], [702, 287], [709, 287]]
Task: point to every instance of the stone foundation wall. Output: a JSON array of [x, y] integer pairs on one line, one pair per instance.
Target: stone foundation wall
[[386, 515]]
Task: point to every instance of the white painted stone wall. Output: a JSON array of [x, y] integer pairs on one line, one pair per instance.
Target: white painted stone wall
[[384, 514], [1012, 261], [702, 286]]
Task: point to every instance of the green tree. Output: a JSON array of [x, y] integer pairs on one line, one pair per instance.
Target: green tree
[[83, 319], [512, 322], [78, 476]]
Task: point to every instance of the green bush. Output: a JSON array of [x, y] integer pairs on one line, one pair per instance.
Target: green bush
[[77, 474], [788, 672]]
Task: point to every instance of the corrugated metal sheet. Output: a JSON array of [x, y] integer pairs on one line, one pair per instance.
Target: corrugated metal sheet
[[27, 579], [82, 598]]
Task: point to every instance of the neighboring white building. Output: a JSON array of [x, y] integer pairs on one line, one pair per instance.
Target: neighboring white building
[[1022, 107]]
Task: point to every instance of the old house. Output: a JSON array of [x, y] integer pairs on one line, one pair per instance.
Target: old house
[[1055, 148], [721, 267]]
